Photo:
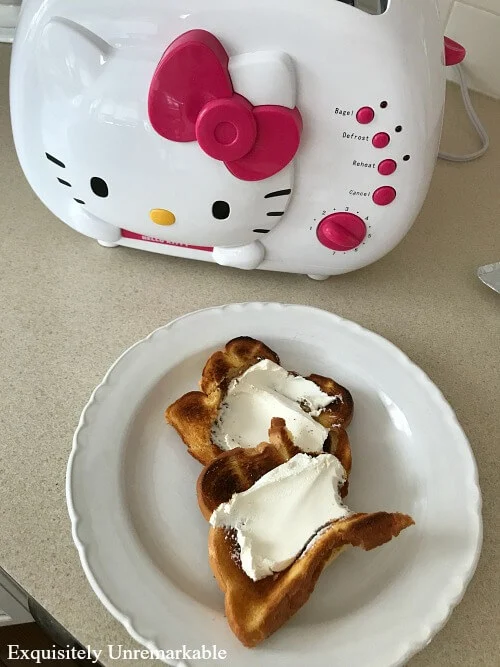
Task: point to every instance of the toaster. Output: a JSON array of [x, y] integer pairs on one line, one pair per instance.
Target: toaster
[[283, 135]]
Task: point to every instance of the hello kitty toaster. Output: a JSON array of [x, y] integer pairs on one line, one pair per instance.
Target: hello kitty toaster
[[277, 134]]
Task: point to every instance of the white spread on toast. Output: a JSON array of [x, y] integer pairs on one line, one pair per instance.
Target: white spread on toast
[[264, 391], [277, 517]]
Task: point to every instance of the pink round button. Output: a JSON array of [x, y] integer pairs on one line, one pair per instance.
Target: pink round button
[[381, 140], [226, 128], [387, 167], [341, 231], [384, 195], [365, 115]]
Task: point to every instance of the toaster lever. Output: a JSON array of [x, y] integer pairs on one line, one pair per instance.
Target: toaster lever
[[454, 52]]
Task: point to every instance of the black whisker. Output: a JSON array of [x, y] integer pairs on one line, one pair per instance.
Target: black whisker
[[64, 182], [278, 193], [55, 160], [261, 231], [80, 201], [276, 213]]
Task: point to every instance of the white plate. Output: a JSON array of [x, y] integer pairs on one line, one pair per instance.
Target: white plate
[[143, 542]]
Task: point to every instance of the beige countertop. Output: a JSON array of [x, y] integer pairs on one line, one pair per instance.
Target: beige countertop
[[70, 307]]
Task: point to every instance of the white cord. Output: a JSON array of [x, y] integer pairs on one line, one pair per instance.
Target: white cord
[[474, 119]]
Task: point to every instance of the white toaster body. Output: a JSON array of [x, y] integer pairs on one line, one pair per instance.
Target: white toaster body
[[368, 91]]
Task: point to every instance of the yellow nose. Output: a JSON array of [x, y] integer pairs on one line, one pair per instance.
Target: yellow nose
[[160, 216]]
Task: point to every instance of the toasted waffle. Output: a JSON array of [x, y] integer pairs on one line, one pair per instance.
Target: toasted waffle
[[256, 609], [238, 469], [194, 414]]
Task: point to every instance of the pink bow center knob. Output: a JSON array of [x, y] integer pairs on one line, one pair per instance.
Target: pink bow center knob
[[191, 98], [226, 129]]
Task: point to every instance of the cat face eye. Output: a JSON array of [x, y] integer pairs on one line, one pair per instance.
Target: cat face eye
[[221, 210], [99, 186]]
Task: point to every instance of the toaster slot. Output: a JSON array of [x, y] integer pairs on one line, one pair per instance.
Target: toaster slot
[[368, 6]]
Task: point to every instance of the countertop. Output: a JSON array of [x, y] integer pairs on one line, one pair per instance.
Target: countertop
[[70, 307]]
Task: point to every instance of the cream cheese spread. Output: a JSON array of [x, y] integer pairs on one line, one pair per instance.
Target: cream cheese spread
[[264, 391], [277, 517]]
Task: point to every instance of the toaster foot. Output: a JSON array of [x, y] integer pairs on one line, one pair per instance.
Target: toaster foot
[[108, 244], [241, 257], [317, 276]]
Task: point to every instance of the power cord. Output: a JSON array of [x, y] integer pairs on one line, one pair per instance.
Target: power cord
[[474, 119]]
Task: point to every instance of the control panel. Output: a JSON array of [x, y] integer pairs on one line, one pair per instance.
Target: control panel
[[373, 157]]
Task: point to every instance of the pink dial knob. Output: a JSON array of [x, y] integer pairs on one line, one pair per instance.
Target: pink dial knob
[[341, 231]]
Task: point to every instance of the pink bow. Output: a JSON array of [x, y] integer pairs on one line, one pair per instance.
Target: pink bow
[[191, 98]]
